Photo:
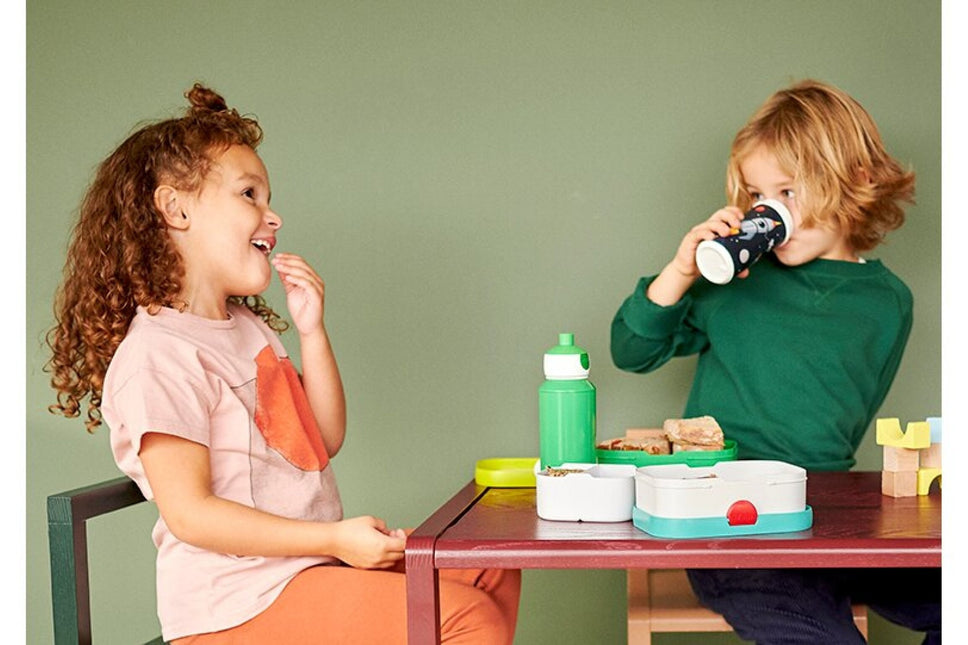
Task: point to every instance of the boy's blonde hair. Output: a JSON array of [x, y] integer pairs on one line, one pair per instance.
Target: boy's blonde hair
[[831, 147]]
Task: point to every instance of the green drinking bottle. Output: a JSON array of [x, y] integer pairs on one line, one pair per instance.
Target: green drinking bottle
[[566, 406]]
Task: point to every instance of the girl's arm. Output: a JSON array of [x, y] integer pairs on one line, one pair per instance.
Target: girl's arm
[[179, 474], [305, 296], [681, 273]]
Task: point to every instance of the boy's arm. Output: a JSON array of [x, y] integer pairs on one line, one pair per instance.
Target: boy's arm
[[682, 272], [650, 326], [180, 477], [645, 335], [305, 296]]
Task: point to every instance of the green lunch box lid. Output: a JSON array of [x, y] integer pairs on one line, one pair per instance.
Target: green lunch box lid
[[691, 457]]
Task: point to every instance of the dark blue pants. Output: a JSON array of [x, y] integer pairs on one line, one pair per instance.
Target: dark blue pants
[[812, 606]]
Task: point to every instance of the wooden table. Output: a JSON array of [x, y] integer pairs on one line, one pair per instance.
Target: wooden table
[[481, 527]]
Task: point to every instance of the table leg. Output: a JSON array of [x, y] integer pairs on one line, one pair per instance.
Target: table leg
[[423, 600], [423, 581]]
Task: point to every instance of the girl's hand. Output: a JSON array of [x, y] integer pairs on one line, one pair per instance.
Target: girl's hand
[[366, 543], [305, 291], [718, 225]]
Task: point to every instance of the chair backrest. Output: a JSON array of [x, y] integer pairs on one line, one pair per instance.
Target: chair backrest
[[67, 515]]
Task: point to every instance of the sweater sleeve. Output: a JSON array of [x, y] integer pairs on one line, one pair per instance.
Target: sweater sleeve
[[905, 313], [646, 335]]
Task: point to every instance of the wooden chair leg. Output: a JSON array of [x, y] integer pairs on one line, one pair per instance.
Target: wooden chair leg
[[662, 600], [860, 619], [639, 607]]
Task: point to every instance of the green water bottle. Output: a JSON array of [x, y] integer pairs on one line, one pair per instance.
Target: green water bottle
[[566, 406]]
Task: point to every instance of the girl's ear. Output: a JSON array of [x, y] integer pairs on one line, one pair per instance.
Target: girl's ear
[[168, 201]]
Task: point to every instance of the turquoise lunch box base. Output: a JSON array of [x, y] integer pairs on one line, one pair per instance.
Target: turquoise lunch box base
[[700, 527]]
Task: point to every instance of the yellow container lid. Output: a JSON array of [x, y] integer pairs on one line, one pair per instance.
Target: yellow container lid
[[506, 472]]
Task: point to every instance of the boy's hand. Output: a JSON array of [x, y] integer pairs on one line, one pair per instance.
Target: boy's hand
[[676, 277], [305, 291], [718, 225], [366, 543]]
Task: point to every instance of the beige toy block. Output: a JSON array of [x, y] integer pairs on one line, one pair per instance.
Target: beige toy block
[[901, 459], [925, 477], [931, 456], [899, 484], [918, 434]]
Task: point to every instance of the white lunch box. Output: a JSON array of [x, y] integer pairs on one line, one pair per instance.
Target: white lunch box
[[599, 493], [728, 498]]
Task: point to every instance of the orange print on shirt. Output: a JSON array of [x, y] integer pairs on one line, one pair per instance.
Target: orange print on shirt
[[283, 415]]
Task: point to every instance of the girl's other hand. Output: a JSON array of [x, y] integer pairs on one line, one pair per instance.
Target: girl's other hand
[[305, 291], [366, 543], [719, 224]]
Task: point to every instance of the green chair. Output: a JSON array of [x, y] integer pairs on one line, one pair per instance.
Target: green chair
[[67, 515]]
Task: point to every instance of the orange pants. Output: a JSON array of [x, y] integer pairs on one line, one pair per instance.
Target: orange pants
[[338, 604]]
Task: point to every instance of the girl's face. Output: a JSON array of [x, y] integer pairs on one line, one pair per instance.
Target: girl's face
[[765, 179], [230, 233]]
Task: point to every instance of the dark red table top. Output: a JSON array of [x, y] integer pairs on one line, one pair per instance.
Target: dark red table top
[[854, 525]]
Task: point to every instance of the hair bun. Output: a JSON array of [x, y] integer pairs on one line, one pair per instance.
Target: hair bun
[[203, 98]]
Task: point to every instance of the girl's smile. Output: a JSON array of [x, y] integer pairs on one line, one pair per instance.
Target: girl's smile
[[227, 232]]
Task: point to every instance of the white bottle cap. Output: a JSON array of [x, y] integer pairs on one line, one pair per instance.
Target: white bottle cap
[[714, 262], [566, 361]]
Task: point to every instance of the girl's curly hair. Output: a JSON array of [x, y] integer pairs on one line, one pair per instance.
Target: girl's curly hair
[[120, 255]]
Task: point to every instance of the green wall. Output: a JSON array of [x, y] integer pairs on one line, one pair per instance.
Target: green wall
[[470, 178]]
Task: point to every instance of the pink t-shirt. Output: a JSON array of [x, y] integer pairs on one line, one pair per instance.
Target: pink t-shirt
[[228, 385]]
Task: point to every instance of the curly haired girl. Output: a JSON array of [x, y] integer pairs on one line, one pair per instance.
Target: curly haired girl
[[120, 257], [161, 326]]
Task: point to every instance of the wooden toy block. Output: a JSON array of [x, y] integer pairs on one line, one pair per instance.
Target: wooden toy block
[[925, 477], [931, 456], [935, 423], [898, 460], [899, 484], [918, 434]]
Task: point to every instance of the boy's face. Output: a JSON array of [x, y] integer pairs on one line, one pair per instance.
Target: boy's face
[[765, 179], [232, 230]]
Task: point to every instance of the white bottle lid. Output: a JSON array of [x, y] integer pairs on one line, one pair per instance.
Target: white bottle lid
[[566, 361]]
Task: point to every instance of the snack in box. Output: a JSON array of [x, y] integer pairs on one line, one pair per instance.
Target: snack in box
[[698, 433]]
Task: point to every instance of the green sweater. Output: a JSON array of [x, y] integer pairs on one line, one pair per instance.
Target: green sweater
[[794, 362]]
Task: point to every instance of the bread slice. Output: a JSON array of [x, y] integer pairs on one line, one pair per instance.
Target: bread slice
[[697, 431], [653, 445]]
